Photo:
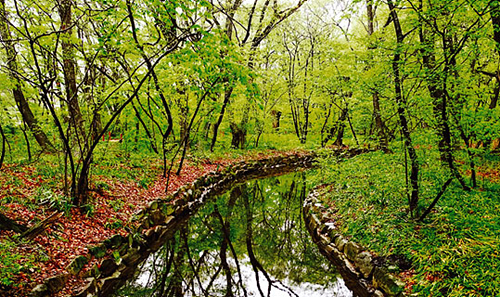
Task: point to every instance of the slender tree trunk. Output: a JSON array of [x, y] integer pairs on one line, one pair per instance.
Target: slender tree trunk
[[340, 128], [69, 70], [4, 143], [17, 92], [227, 96], [380, 128], [141, 121], [401, 103], [437, 89], [27, 140]]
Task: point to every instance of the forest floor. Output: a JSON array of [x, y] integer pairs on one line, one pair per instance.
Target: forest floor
[[454, 251], [31, 193]]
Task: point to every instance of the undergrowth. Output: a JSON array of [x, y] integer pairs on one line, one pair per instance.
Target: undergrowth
[[454, 251], [12, 263]]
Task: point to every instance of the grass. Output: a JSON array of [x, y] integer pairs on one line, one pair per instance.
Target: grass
[[454, 252], [13, 264]]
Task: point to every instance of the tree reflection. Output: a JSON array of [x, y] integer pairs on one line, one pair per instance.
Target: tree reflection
[[251, 241]]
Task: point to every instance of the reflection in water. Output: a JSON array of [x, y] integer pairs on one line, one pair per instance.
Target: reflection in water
[[249, 242]]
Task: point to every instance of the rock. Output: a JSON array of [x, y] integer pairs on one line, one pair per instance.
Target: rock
[[323, 239], [98, 251], [351, 269], [40, 291], [363, 262], [333, 234], [314, 222], [340, 242], [351, 250], [75, 266], [393, 268], [168, 209], [156, 217], [107, 286], [168, 219], [153, 205], [92, 272], [108, 267], [88, 289], [56, 283], [132, 257], [114, 241], [387, 282]]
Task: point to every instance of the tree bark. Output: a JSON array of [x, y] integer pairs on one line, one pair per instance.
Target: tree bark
[[4, 143], [437, 90], [8, 224], [380, 128], [401, 103], [69, 70]]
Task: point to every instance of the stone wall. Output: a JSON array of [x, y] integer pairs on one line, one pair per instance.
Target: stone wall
[[158, 222], [360, 272]]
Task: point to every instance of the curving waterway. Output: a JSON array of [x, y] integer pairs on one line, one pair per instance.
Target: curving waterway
[[250, 241]]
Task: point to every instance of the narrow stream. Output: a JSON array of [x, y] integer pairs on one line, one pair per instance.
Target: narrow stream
[[250, 241]]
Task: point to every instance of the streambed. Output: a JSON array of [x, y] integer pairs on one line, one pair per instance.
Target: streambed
[[250, 241]]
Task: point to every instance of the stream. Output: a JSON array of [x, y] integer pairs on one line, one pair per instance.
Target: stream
[[250, 241]]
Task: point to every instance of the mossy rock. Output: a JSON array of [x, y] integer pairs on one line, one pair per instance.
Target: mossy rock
[[364, 262], [98, 251], [108, 267], [387, 282], [351, 250], [56, 283], [40, 291], [114, 241], [75, 266], [168, 209]]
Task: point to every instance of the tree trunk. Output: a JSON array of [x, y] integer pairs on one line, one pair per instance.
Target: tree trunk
[[239, 136], [8, 224], [4, 143], [276, 119], [69, 70], [437, 89], [495, 20], [17, 91], [339, 127], [380, 128], [227, 96], [401, 103]]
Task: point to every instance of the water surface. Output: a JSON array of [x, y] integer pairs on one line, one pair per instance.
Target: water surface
[[250, 241]]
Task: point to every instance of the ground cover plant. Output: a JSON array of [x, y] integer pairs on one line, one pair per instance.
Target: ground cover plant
[[453, 251], [124, 184], [106, 105]]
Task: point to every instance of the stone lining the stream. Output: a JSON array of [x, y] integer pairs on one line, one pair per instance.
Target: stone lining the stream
[[354, 263], [159, 222], [162, 218]]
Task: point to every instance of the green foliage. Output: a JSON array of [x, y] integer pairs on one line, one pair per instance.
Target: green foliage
[[49, 198], [454, 251], [12, 263]]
